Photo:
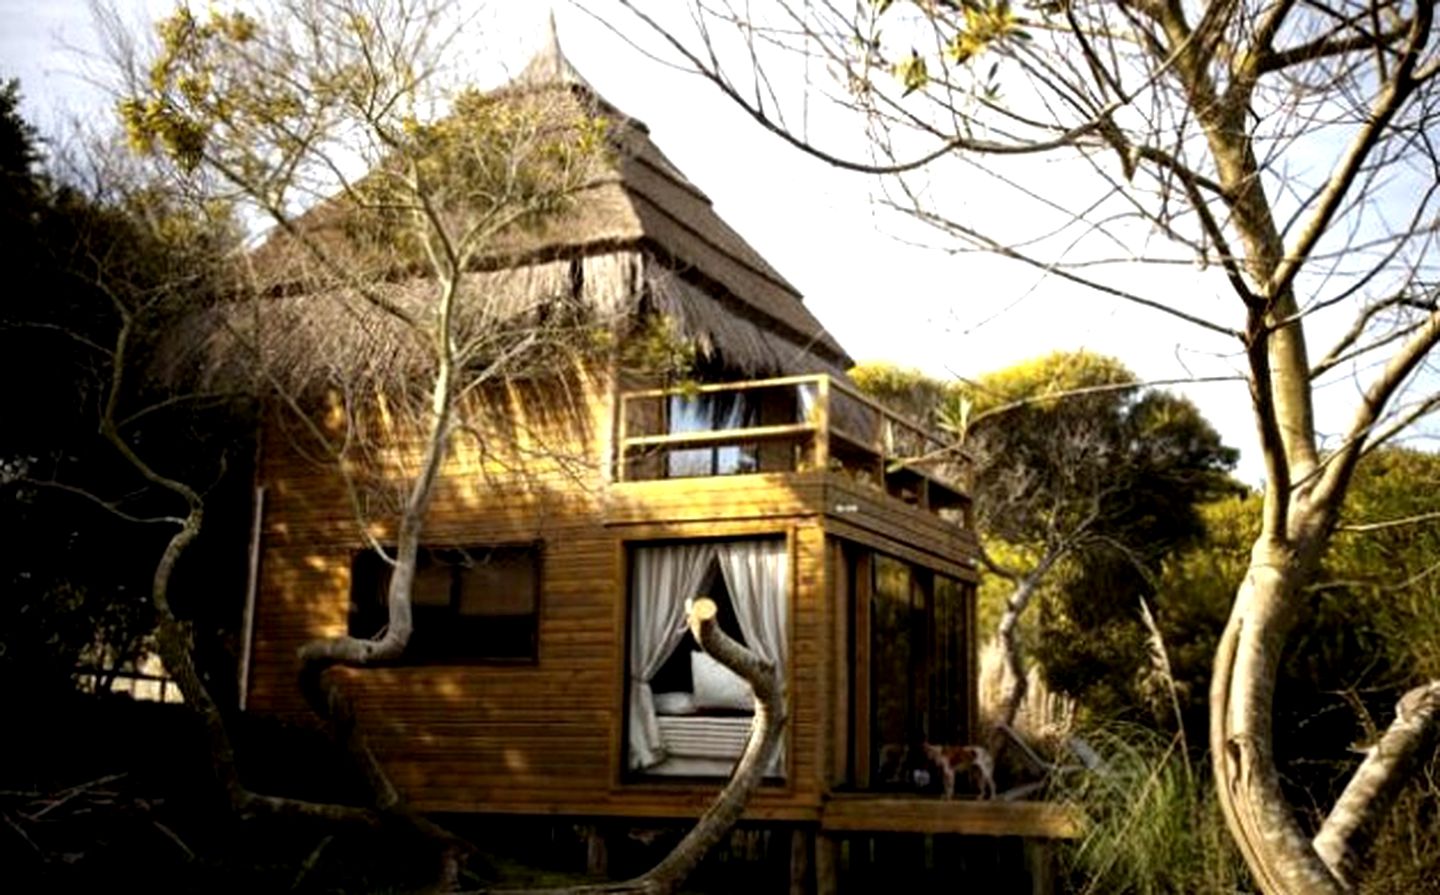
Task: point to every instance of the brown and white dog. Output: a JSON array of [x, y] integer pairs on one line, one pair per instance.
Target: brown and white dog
[[952, 760]]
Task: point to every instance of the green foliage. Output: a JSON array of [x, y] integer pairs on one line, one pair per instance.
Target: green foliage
[[1389, 572], [19, 152], [656, 348], [984, 25], [76, 575], [906, 390], [1041, 383], [1155, 826], [1369, 633], [912, 73], [979, 26], [1405, 859], [196, 87], [1197, 586]]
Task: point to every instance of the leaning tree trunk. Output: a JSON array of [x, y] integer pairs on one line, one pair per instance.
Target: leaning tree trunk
[[1013, 680], [1345, 838]]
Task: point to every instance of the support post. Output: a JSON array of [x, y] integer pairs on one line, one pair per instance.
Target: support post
[[800, 839], [1040, 862], [827, 861], [597, 853]]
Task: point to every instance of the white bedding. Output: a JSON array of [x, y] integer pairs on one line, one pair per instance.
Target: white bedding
[[704, 736], [705, 745]]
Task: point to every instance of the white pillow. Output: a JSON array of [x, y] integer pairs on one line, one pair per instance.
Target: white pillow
[[675, 703], [717, 687]]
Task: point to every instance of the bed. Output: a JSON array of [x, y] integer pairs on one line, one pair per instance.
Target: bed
[[704, 730]]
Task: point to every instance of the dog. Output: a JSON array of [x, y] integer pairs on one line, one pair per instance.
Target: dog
[[951, 760]]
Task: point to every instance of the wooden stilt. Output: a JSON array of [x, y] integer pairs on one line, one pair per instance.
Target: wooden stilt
[[827, 861], [597, 853], [800, 845], [1040, 861]]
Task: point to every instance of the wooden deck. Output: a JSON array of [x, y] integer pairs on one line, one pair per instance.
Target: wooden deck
[[865, 813]]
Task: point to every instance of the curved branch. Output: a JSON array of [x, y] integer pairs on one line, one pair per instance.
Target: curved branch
[[951, 144], [766, 733], [1384, 109], [1320, 49], [1352, 824], [999, 248], [1331, 487]]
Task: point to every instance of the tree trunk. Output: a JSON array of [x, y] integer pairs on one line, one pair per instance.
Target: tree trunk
[[1007, 634], [1242, 695]]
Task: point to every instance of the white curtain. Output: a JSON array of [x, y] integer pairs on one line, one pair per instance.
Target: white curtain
[[664, 577], [757, 576]]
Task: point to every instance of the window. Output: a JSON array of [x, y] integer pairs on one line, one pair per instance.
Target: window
[[919, 662], [687, 715], [713, 412], [474, 603], [897, 656]]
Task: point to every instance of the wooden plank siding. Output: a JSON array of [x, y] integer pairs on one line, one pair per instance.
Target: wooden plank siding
[[547, 737]]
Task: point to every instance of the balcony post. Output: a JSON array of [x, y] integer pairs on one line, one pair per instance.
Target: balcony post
[[821, 422], [622, 432]]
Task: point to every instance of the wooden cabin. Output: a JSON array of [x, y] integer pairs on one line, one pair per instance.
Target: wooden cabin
[[548, 673]]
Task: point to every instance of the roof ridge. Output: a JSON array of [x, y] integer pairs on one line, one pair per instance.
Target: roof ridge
[[550, 66]]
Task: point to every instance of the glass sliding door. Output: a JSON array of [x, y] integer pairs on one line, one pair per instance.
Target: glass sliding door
[[917, 667]]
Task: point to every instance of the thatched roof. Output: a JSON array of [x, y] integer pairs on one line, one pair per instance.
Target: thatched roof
[[639, 233]]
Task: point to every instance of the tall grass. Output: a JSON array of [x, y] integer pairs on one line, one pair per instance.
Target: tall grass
[[1154, 824]]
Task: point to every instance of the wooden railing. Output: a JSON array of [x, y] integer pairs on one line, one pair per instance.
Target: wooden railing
[[786, 424]]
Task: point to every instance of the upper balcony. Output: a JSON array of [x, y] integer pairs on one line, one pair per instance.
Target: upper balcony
[[791, 424]]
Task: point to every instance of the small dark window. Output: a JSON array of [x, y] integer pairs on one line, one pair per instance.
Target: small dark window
[[472, 603]]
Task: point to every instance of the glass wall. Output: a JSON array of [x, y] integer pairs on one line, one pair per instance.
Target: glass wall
[[917, 664]]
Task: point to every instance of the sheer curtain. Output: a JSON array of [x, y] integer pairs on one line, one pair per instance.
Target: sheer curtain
[[757, 576], [663, 578]]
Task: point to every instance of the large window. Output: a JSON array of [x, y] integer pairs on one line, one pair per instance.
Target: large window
[[687, 714], [475, 603], [897, 657], [918, 662]]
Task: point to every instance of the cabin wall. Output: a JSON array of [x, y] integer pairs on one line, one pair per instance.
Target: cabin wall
[[545, 737]]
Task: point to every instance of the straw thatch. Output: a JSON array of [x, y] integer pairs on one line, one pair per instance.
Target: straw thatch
[[638, 237]]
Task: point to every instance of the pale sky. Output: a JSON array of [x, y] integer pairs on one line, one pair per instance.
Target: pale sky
[[882, 298]]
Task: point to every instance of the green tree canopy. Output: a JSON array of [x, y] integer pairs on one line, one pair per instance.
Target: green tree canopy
[[1084, 481]]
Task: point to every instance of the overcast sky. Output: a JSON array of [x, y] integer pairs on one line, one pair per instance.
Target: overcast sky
[[882, 298]]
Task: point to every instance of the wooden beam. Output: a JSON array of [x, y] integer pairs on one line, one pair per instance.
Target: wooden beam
[[839, 727], [800, 859], [861, 678], [820, 419], [1040, 861], [898, 814], [597, 852], [721, 437]]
